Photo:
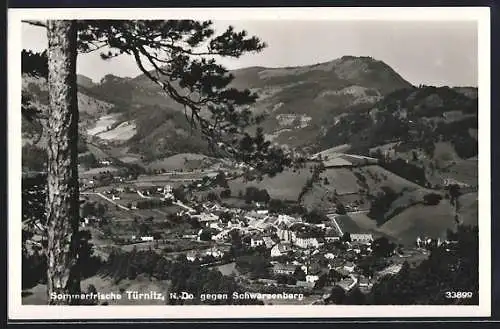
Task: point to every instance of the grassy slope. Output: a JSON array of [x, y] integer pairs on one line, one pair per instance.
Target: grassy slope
[[420, 220], [469, 208], [340, 179], [286, 186], [178, 161], [397, 183]]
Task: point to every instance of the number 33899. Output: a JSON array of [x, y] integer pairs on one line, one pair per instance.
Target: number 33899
[[458, 294]]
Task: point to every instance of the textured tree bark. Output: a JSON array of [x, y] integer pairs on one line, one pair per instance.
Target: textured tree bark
[[62, 204]]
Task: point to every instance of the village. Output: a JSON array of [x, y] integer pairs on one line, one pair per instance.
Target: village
[[264, 248], [267, 245]]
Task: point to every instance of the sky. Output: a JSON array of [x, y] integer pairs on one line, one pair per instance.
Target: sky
[[431, 52]]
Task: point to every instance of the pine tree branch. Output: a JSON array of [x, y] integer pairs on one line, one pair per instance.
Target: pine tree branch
[[35, 23]]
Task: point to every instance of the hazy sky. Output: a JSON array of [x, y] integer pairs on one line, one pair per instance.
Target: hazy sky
[[432, 53]]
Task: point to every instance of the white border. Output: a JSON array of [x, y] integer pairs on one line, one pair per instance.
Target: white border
[[19, 312]]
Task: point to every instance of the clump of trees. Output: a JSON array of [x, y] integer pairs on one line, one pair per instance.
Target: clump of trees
[[221, 180], [381, 204], [225, 194], [153, 203], [283, 207], [432, 199], [179, 193], [315, 217], [88, 160], [183, 275], [212, 196], [93, 209], [340, 208], [447, 269], [256, 265], [34, 157], [407, 170], [253, 194]]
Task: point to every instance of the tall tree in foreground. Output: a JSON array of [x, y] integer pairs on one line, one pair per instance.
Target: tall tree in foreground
[[62, 205], [180, 57]]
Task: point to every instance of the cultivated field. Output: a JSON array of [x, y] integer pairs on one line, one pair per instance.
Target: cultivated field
[[385, 178], [341, 179], [285, 186]]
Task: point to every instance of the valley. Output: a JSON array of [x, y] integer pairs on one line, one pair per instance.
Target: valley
[[382, 160]]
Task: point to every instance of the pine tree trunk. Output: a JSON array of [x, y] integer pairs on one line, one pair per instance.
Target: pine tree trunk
[[62, 204]]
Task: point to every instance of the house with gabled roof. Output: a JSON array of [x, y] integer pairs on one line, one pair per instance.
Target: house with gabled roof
[[280, 249]]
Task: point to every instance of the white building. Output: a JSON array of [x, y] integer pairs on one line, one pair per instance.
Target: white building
[[287, 220], [192, 256], [147, 238], [312, 278], [329, 255], [167, 189], [362, 238], [214, 252], [304, 241], [284, 234], [256, 242], [84, 222]]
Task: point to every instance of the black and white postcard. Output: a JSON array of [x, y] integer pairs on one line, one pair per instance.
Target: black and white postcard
[[225, 163]]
